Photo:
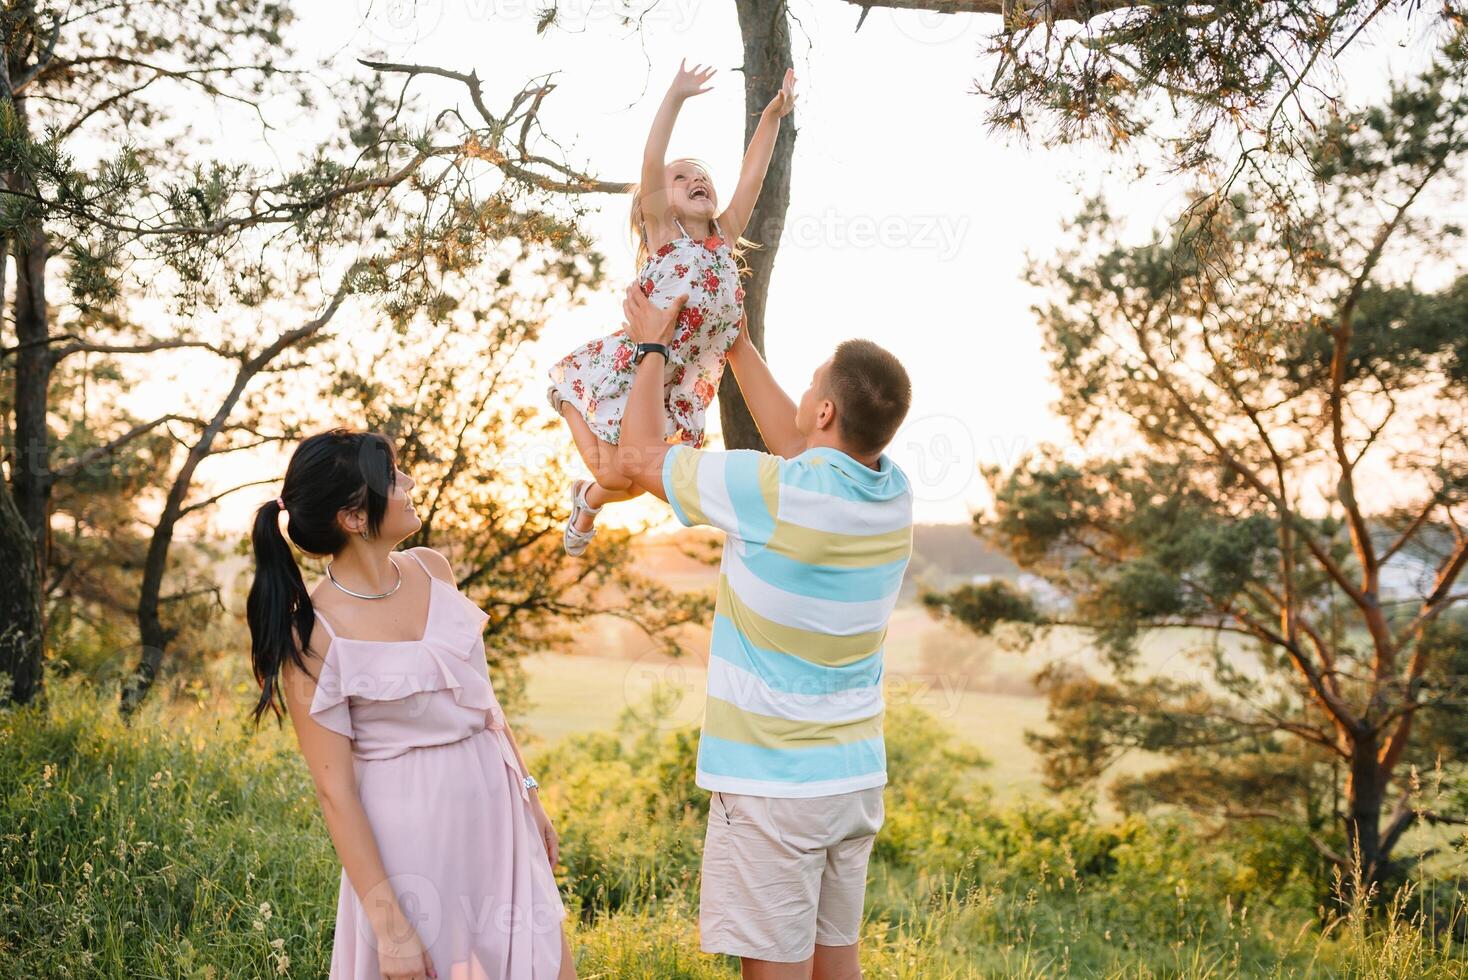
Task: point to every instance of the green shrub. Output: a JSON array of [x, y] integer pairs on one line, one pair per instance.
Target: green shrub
[[185, 846], [176, 847]]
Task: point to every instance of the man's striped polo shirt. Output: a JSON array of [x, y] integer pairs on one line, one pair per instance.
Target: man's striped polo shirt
[[813, 561]]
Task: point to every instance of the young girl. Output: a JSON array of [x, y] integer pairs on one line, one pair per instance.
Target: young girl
[[446, 851], [684, 248]]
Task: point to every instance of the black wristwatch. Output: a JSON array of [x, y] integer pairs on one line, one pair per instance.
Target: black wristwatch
[[648, 348]]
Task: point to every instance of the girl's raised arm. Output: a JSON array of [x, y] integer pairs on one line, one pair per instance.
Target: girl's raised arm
[[757, 160], [686, 84]]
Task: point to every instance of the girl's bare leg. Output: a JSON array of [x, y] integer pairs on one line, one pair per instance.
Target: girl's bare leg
[[610, 485], [587, 444], [600, 457]]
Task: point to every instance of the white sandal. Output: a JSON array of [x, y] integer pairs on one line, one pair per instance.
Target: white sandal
[[553, 395], [575, 541]]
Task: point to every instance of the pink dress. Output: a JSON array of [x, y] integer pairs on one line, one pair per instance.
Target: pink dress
[[597, 376], [442, 790]]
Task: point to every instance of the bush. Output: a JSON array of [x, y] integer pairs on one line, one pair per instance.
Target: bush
[[179, 846], [184, 846], [629, 817]]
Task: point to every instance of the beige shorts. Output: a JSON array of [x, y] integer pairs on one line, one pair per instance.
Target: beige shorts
[[781, 875]]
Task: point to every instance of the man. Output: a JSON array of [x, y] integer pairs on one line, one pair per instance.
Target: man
[[818, 536]]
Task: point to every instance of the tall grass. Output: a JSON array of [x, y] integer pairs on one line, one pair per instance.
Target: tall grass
[[184, 846]]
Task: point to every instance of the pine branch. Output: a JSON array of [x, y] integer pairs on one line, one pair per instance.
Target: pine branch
[[1049, 11], [97, 453]]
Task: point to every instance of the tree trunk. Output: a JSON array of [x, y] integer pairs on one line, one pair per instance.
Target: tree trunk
[[25, 504], [153, 635], [765, 28], [30, 472], [1365, 793], [21, 628]]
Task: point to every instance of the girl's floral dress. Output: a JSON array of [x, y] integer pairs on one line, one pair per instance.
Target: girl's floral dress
[[597, 376]]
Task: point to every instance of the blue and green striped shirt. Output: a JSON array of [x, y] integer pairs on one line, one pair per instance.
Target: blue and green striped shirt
[[813, 561]]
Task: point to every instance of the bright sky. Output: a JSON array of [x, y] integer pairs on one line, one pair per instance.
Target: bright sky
[[908, 224]]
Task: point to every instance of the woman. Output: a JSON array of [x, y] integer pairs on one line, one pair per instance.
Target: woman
[[446, 851]]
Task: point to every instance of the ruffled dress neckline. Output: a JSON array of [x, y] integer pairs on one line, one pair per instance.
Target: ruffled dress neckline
[[448, 657]]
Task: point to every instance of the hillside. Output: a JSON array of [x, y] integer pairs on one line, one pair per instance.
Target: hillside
[[944, 555]]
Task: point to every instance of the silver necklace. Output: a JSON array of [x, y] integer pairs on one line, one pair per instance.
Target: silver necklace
[[365, 595]]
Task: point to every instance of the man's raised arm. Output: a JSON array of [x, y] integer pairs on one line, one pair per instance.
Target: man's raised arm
[[773, 410], [642, 447]]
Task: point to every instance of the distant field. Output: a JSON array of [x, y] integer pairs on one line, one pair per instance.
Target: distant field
[[978, 688], [976, 685], [572, 693]]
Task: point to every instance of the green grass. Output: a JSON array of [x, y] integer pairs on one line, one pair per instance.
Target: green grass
[[184, 846]]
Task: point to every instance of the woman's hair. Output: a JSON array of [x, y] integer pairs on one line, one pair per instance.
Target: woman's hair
[[328, 473], [638, 225]]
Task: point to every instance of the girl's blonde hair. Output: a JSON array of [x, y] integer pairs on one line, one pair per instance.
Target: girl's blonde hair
[[638, 225]]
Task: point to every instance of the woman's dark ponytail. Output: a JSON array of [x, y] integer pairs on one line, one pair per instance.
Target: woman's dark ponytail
[[328, 473], [278, 609]]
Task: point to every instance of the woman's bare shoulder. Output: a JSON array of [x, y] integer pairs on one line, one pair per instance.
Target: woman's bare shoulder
[[438, 566]]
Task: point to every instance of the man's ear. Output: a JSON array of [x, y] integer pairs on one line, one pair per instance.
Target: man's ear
[[826, 414]]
